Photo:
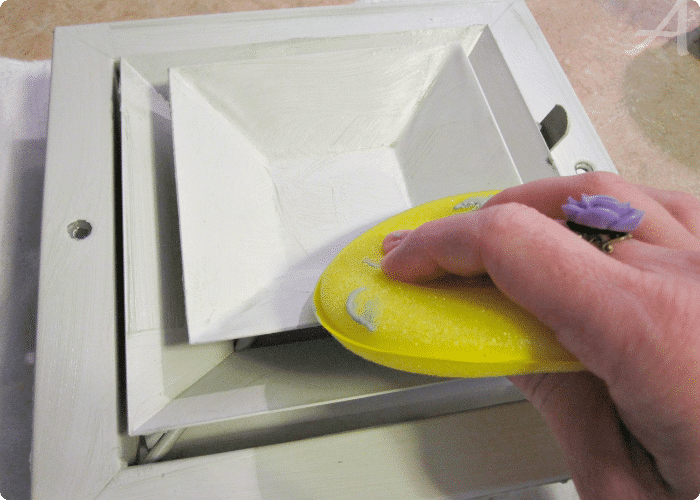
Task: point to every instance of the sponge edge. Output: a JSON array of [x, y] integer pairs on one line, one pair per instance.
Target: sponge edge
[[452, 328]]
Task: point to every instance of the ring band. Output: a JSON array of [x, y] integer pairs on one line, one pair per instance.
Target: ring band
[[601, 238]]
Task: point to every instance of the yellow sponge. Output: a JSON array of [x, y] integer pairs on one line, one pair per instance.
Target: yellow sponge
[[454, 328]]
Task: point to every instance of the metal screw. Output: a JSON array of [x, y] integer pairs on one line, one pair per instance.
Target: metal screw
[[583, 167], [79, 229]]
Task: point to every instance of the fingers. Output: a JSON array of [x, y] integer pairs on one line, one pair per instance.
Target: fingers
[[392, 240], [602, 463], [659, 260], [631, 327], [683, 207], [630, 318], [588, 298], [434, 249], [672, 228]]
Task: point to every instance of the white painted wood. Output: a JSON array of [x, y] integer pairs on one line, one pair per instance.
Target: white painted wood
[[536, 71], [525, 143], [304, 422], [78, 424], [159, 362], [155, 67], [542, 90], [466, 455], [283, 161], [213, 32], [257, 382], [80, 450], [151, 275], [149, 385]]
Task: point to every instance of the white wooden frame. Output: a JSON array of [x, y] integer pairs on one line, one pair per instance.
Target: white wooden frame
[[162, 369], [81, 447]]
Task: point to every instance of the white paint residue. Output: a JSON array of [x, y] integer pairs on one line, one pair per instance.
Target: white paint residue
[[321, 104], [365, 315], [323, 204], [227, 212], [473, 203], [372, 263], [453, 144]]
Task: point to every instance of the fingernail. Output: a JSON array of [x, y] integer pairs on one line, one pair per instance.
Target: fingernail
[[399, 235], [394, 239]]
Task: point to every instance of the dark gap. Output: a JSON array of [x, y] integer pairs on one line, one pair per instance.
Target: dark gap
[[290, 337], [119, 256], [554, 126]]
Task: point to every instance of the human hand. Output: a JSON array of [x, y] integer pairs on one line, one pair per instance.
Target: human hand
[[629, 427]]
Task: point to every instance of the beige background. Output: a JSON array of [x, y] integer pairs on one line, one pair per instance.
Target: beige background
[[644, 106]]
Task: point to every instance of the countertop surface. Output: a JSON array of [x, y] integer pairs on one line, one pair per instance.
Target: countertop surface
[[643, 100]]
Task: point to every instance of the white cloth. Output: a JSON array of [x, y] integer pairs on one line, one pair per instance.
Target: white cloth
[[24, 95]]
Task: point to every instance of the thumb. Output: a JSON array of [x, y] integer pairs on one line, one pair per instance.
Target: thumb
[[603, 458]]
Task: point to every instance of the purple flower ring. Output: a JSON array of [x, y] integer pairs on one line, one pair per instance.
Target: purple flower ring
[[603, 212], [601, 219]]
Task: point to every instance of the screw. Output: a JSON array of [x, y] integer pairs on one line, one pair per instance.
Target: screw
[[79, 229], [583, 167]]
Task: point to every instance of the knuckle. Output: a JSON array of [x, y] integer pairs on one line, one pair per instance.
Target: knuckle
[[693, 263], [683, 204], [511, 218], [510, 232], [602, 182]]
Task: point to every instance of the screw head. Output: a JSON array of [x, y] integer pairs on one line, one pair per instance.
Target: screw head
[[79, 230], [583, 167]]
